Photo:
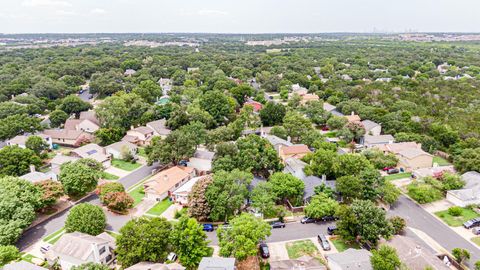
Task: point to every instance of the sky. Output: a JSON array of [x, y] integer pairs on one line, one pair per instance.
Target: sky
[[240, 16]]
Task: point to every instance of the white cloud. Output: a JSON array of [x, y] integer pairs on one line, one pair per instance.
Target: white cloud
[[65, 12], [212, 12], [46, 3], [98, 11]]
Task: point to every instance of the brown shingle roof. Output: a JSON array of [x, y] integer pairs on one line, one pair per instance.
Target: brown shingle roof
[[167, 179], [295, 149]]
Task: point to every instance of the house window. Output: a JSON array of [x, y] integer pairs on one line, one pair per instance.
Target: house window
[[102, 250]]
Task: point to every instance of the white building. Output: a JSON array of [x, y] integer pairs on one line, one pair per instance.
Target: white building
[[469, 194], [181, 194]]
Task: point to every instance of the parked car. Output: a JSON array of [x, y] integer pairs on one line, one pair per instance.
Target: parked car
[[472, 223], [278, 224], [322, 239], [388, 168], [182, 163], [328, 218], [393, 171], [331, 229], [172, 257], [264, 251], [45, 248], [306, 220], [208, 227], [476, 231], [325, 128]]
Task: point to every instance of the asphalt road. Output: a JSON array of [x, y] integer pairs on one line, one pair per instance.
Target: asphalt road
[[292, 231], [418, 218], [114, 221]]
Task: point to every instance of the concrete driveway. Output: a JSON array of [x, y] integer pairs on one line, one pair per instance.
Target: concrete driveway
[[278, 251]]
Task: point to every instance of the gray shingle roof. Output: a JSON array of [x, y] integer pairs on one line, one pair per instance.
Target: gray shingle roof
[[352, 259], [22, 265], [216, 263]]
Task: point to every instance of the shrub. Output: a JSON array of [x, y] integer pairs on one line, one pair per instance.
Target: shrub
[[86, 218], [423, 193], [8, 254], [455, 211], [118, 201], [104, 189], [398, 224]]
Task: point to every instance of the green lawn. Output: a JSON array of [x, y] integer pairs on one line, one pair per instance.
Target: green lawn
[[341, 245], [466, 215], [53, 237], [29, 257], [476, 240], [298, 249], [398, 176], [124, 165], [159, 208], [109, 176], [137, 194], [441, 161]]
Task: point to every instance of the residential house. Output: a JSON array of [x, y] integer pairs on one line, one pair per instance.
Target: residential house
[[159, 128], [201, 161], [328, 107], [22, 265], [217, 263], [309, 97], [257, 106], [346, 77], [161, 185], [129, 72], [180, 195], [192, 69], [433, 171], [469, 194], [36, 177], [372, 128], [303, 263], [139, 136], [117, 150], [166, 85], [410, 155], [277, 142], [414, 255], [350, 259], [374, 140], [295, 167], [77, 248], [72, 138], [296, 88], [297, 151], [383, 80], [156, 266], [57, 161], [93, 151], [21, 140], [353, 118], [87, 122]]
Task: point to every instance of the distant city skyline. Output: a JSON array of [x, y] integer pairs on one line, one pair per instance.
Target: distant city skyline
[[246, 16]]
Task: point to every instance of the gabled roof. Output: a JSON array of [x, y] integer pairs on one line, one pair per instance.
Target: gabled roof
[[352, 259], [295, 149], [217, 263], [77, 245], [398, 147], [328, 107], [22, 139], [159, 126], [369, 125], [61, 159], [353, 118], [64, 134], [35, 177], [92, 150], [411, 153], [380, 139], [89, 115], [119, 146], [143, 130], [22, 265], [166, 179]]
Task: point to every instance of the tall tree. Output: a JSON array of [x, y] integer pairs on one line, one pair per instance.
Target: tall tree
[[86, 218], [37, 144], [78, 178], [16, 161], [198, 206], [320, 206], [385, 258], [148, 90], [190, 242], [176, 146], [272, 114], [287, 187], [241, 240], [296, 125], [74, 104], [263, 198]]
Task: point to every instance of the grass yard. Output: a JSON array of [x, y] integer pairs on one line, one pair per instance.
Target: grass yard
[[298, 249], [159, 208], [137, 194], [341, 245], [29, 257], [476, 240], [109, 176], [453, 221], [53, 237], [398, 176], [124, 165], [441, 161]]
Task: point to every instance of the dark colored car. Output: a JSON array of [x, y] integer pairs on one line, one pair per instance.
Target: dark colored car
[[472, 223], [208, 227], [328, 218], [331, 229], [306, 220], [278, 224], [393, 171], [264, 251], [182, 163], [322, 239]]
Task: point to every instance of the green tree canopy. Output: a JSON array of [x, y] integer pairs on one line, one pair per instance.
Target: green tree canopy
[[86, 218]]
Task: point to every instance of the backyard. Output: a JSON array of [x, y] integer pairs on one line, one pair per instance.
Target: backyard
[[441, 161], [125, 165], [159, 208], [456, 221]]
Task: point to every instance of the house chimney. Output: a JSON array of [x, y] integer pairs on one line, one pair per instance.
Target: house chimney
[[289, 139], [165, 178], [32, 168]]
